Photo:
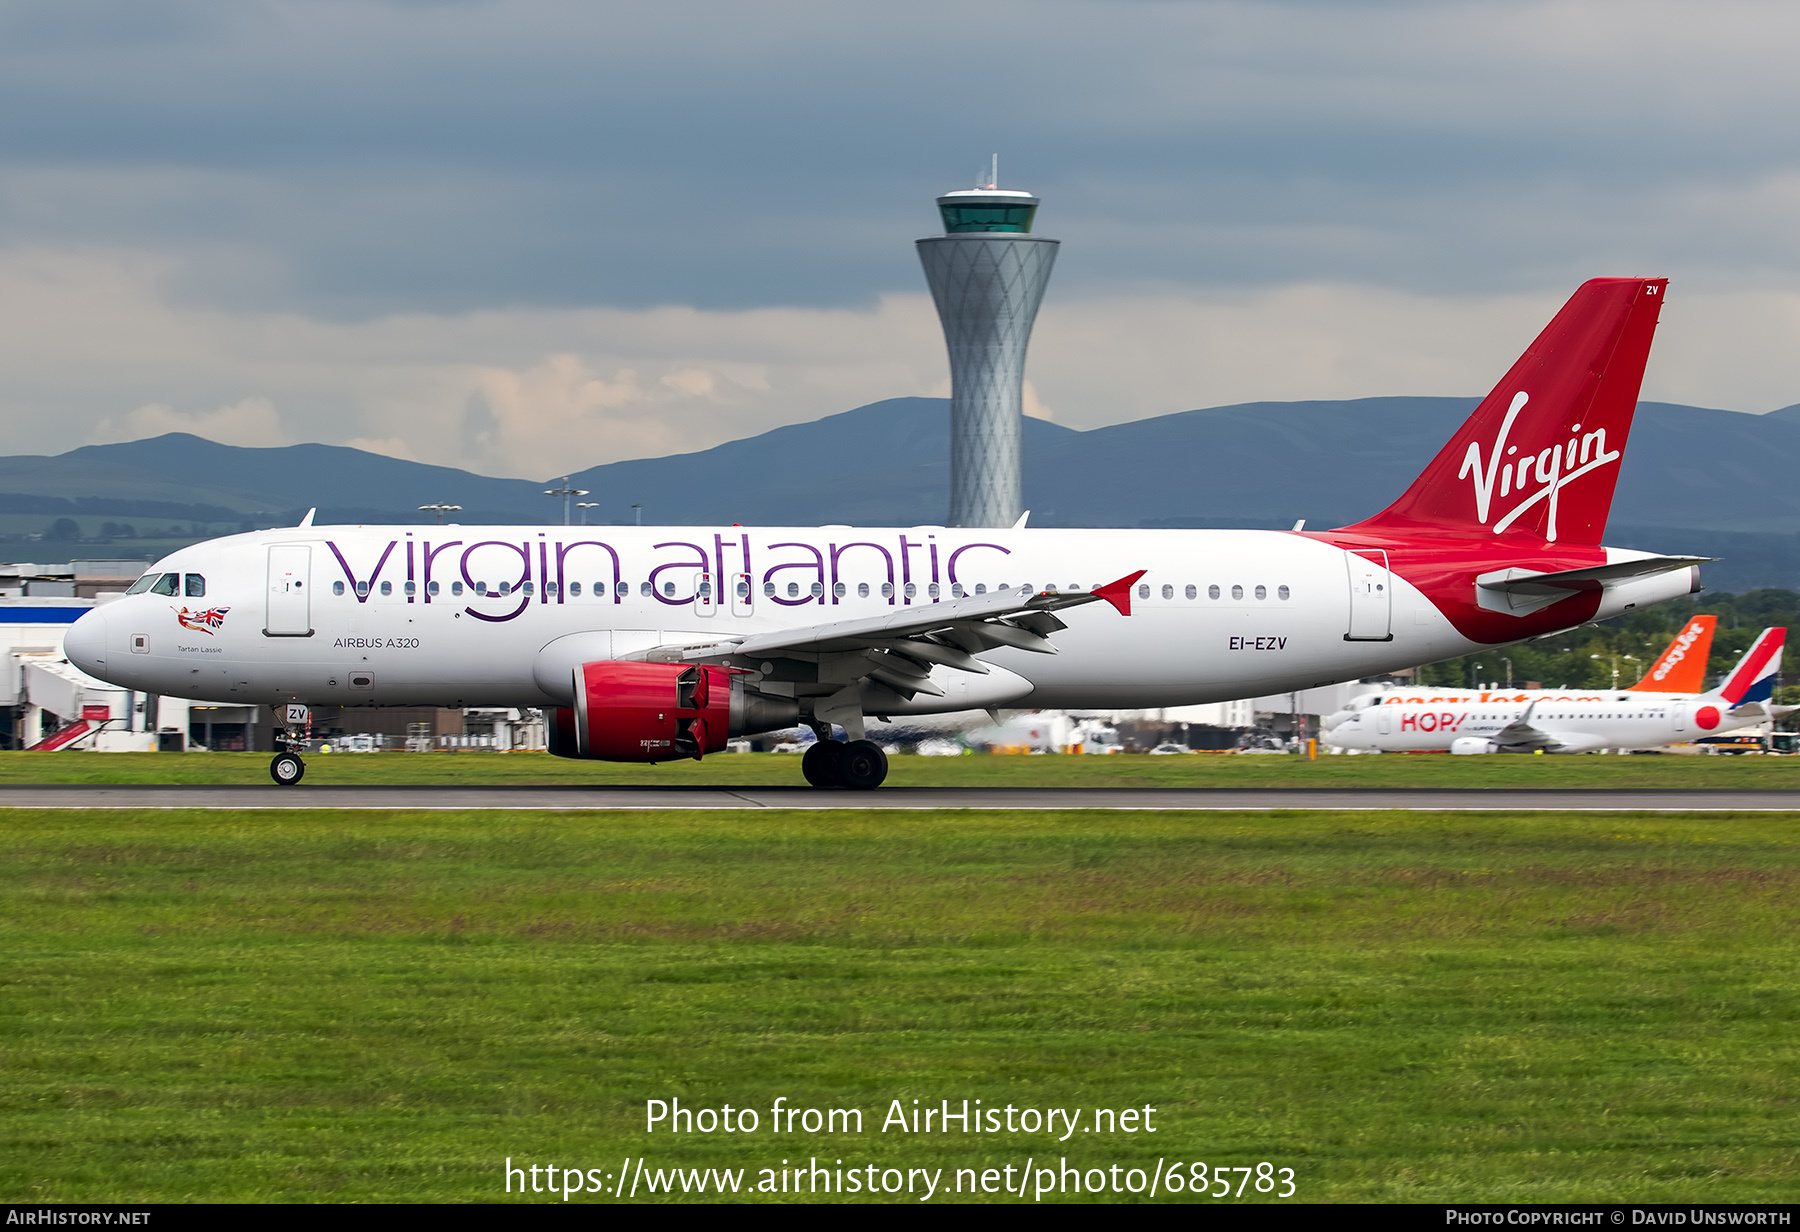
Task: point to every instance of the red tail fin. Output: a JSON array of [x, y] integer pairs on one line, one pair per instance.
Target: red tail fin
[[1540, 456]]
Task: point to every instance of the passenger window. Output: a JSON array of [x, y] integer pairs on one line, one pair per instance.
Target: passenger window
[[768, 590], [912, 589], [743, 589], [1212, 592], [932, 590], [142, 584], [387, 588], [505, 589], [1143, 592], [456, 588], [862, 590], [669, 589], [1281, 592], [839, 590], [956, 590], [167, 584], [1237, 592], [362, 590], [981, 588], [528, 588], [411, 589], [1168, 592], [1191, 592], [599, 588], [1262, 592], [432, 588], [337, 588], [817, 589], [480, 587], [705, 591], [887, 590], [196, 586], [793, 590], [645, 589], [575, 589]]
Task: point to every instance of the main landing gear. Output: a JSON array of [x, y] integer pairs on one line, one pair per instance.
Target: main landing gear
[[859, 765], [287, 769]]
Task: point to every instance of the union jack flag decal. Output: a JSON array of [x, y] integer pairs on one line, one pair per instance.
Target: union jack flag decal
[[207, 621]]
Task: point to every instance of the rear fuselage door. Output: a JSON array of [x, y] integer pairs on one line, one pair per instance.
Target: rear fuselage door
[[1678, 716], [1371, 597], [289, 612]]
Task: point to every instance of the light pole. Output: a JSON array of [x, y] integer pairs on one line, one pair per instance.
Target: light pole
[[565, 492], [440, 510], [1615, 665], [584, 506]]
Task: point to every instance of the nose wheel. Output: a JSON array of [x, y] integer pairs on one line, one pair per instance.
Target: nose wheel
[[859, 765], [287, 769]]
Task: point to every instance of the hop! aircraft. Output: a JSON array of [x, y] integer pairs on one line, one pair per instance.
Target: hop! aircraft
[[1571, 722], [650, 644]]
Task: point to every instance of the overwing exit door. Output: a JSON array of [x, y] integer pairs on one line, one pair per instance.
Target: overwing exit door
[[1371, 597], [289, 610]]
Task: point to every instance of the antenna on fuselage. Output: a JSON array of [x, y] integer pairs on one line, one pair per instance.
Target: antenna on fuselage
[[307, 520]]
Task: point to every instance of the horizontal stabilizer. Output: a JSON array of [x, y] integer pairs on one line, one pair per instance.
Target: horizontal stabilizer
[[1519, 592]]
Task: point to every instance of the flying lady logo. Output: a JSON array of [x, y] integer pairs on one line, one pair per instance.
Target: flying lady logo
[[1552, 468], [207, 622]]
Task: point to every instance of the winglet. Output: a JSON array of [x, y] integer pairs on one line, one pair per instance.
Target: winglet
[[1119, 593], [307, 520]]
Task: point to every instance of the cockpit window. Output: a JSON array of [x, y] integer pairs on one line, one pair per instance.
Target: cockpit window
[[142, 584], [167, 584], [196, 586]]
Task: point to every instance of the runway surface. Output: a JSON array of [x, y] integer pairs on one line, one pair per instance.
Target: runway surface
[[562, 798]]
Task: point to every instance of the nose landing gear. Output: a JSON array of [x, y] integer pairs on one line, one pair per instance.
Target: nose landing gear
[[287, 769]]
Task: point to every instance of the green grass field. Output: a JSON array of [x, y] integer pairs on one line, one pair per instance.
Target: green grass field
[[783, 770], [1401, 1007]]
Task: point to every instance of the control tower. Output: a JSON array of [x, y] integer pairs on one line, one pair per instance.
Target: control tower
[[987, 273]]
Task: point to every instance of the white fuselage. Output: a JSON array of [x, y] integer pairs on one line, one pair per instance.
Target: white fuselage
[[1579, 721], [460, 616]]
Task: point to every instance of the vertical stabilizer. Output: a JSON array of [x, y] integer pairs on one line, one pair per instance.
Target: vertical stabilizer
[[1753, 679], [1681, 668], [1539, 458]]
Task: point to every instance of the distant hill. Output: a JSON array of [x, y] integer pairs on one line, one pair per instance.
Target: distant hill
[[1722, 479]]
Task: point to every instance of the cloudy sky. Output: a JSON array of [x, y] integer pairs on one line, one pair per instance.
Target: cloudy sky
[[527, 235]]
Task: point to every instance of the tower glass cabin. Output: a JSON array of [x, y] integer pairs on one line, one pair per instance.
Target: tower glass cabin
[[987, 274]]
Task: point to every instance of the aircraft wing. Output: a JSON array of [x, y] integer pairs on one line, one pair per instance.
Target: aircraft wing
[[901, 647], [1520, 735]]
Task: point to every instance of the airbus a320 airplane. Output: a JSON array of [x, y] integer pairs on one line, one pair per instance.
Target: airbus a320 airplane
[[650, 644]]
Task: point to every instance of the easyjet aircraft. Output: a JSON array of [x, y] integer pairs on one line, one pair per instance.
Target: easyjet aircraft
[[1680, 668], [649, 644], [1572, 722]]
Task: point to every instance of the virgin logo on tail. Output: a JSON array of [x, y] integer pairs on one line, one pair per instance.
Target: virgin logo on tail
[[1551, 468]]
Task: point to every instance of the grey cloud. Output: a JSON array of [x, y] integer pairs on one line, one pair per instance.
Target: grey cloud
[[356, 159]]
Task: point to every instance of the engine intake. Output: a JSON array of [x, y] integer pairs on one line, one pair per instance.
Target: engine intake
[[659, 712]]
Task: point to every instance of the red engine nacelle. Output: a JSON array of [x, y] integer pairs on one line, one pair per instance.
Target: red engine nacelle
[[643, 712]]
